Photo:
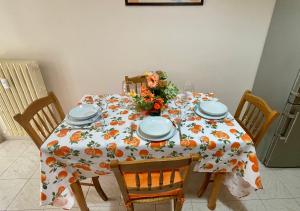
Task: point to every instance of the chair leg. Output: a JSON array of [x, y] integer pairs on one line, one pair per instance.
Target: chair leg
[[218, 180], [204, 184], [76, 188], [178, 204], [130, 207], [99, 188]]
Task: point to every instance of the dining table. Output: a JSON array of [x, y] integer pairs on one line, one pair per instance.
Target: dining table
[[73, 154]]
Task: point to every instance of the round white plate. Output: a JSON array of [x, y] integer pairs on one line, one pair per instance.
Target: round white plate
[[155, 126], [213, 108], [206, 116], [70, 121], [83, 112], [166, 137]]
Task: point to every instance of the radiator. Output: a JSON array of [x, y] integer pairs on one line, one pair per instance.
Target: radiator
[[21, 84]]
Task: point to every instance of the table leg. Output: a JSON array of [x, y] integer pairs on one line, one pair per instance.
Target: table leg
[[218, 180], [204, 184], [76, 188], [99, 188]]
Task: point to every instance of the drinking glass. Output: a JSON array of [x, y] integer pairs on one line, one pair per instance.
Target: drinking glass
[[126, 101], [188, 87]]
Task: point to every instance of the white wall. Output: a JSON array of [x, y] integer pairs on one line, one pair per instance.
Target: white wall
[[88, 46]]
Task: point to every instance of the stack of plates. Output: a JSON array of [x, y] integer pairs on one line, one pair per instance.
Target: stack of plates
[[211, 110], [83, 114], [156, 128]]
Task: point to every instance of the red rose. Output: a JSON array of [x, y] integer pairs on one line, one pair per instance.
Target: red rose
[[156, 106]]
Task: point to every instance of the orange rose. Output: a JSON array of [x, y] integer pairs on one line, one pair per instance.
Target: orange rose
[[152, 80], [156, 106]]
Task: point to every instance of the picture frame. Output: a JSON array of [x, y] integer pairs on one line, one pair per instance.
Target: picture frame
[[164, 2]]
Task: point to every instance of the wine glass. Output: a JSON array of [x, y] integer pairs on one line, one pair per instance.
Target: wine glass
[[188, 87], [126, 90]]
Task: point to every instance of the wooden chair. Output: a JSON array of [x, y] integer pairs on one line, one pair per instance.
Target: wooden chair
[[153, 180], [39, 120], [135, 83], [255, 116]]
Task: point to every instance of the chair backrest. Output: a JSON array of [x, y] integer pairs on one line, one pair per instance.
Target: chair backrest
[[151, 167], [134, 83], [41, 117], [255, 116]]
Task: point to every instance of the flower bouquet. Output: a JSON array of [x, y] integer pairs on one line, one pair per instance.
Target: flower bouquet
[[155, 94]]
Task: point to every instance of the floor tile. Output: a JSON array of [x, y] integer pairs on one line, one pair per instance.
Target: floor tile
[[22, 168], [290, 178], [31, 150], [256, 205], [165, 206], [28, 197], [281, 205], [273, 187], [111, 188], [13, 148], [144, 207], [9, 190], [298, 201], [203, 207], [5, 163]]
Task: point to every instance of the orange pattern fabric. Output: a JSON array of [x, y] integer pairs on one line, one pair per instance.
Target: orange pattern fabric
[[70, 154]]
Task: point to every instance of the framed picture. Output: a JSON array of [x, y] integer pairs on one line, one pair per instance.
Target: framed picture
[[163, 2]]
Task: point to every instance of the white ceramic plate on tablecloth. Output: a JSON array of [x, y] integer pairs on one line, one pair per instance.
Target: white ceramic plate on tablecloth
[[166, 137], [213, 108], [73, 122], [206, 116], [155, 126], [83, 112]]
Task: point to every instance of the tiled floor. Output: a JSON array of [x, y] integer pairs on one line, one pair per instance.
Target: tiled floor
[[19, 187]]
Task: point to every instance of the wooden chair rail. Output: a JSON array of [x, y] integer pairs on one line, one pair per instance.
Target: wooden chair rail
[[255, 117], [39, 120], [136, 82], [169, 174]]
